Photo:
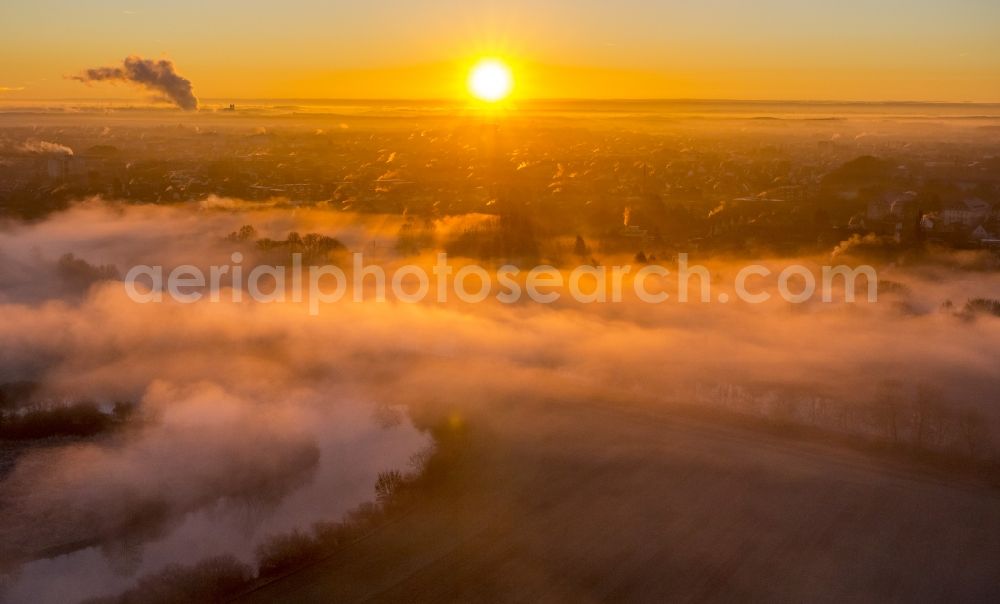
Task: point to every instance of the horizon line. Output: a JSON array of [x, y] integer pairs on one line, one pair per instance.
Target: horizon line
[[234, 99]]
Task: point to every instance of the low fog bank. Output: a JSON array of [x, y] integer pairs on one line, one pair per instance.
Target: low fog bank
[[227, 449], [242, 428], [236, 400], [915, 335]]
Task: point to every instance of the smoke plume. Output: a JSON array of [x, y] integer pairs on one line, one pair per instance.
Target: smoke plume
[[158, 76], [44, 147]]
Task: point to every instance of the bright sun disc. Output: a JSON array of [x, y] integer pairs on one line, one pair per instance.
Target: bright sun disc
[[490, 80]]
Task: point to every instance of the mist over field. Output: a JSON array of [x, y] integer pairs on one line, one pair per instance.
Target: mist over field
[[143, 436]]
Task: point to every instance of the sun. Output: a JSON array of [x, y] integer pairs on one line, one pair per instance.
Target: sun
[[490, 80]]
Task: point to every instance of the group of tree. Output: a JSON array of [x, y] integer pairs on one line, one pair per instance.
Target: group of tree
[[509, 236], [413, 238], [314, 247], [77, 275]]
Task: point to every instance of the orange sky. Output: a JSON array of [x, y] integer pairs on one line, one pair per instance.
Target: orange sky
[[770, 49]]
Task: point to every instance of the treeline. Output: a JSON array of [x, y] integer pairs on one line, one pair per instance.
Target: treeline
[[80, 419], [923, 422], [222, 578], [24, 417], [982, 306]]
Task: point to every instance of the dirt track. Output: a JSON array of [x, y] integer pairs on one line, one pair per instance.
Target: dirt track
[[591, 504]]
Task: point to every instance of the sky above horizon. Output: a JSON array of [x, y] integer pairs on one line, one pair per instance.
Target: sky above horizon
[[918, 50]]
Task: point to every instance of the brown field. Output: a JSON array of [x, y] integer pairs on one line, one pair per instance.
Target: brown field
[[595, 504]]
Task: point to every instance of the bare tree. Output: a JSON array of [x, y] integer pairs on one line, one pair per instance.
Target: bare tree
[[888, 408], [975, 434]]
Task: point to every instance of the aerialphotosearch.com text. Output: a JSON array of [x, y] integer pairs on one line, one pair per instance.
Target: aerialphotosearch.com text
[[319, 285]]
